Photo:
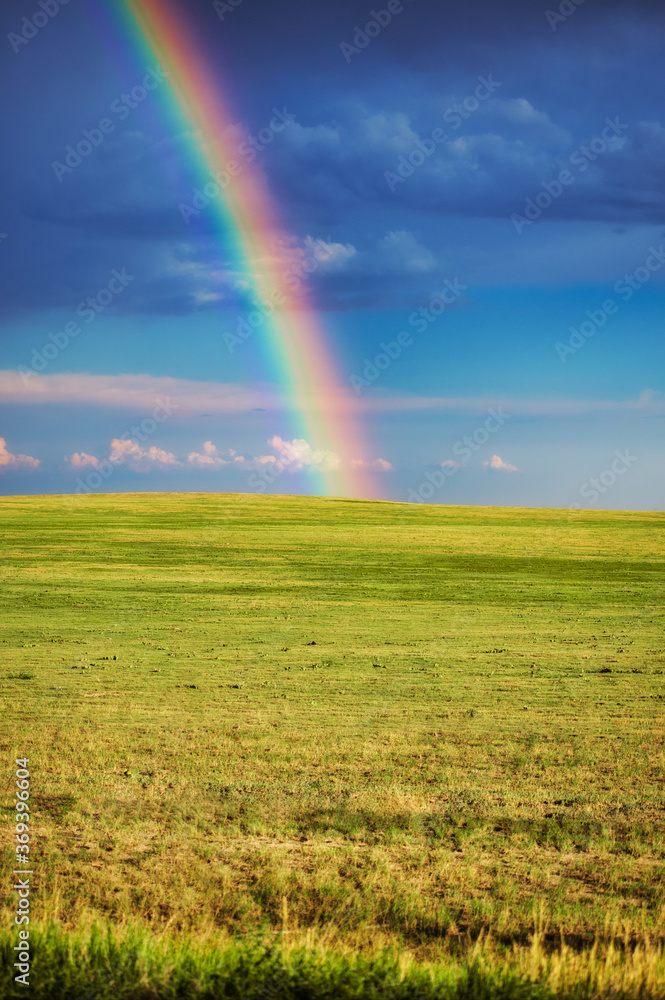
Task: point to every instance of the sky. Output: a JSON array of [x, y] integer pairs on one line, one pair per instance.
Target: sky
[[473, 195]]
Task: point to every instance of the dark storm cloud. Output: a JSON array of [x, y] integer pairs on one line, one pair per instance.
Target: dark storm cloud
[[129, 187], [357, 120], [488, 165]]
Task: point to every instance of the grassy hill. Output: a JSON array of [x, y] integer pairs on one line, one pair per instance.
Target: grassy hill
[[360, 724]]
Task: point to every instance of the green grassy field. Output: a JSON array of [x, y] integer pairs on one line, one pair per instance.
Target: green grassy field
[[359, 725]]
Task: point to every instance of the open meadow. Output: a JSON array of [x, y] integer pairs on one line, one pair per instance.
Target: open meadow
[[354, 725]]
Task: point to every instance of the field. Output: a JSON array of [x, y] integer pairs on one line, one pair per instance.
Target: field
[[355, 725]]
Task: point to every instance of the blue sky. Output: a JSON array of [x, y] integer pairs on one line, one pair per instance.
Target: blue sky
[[485, 181]]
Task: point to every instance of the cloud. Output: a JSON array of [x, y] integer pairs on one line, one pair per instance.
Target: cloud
[[79, 460], [133, 392], [128, 453], [396, 253], [388, 272], [126, 195], [330, 268], [184, 397], [330, 256], [287, 456], [647, 403], [500, 157], [344, 163], [120, 196], [138, 458], [529, 122], [399, 252], [379, 464], [296, 455], [293, 456], [209, 459], [9, 461], [498, 463]]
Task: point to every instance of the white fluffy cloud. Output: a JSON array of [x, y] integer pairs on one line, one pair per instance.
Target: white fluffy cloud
[[128, 453], [138, 458], [398, 252], [9, 461], [79, 460], [210, 458], [293, 456], [286, 456], [498, 463]]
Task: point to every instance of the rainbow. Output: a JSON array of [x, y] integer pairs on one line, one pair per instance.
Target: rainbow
[[324, 413]]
